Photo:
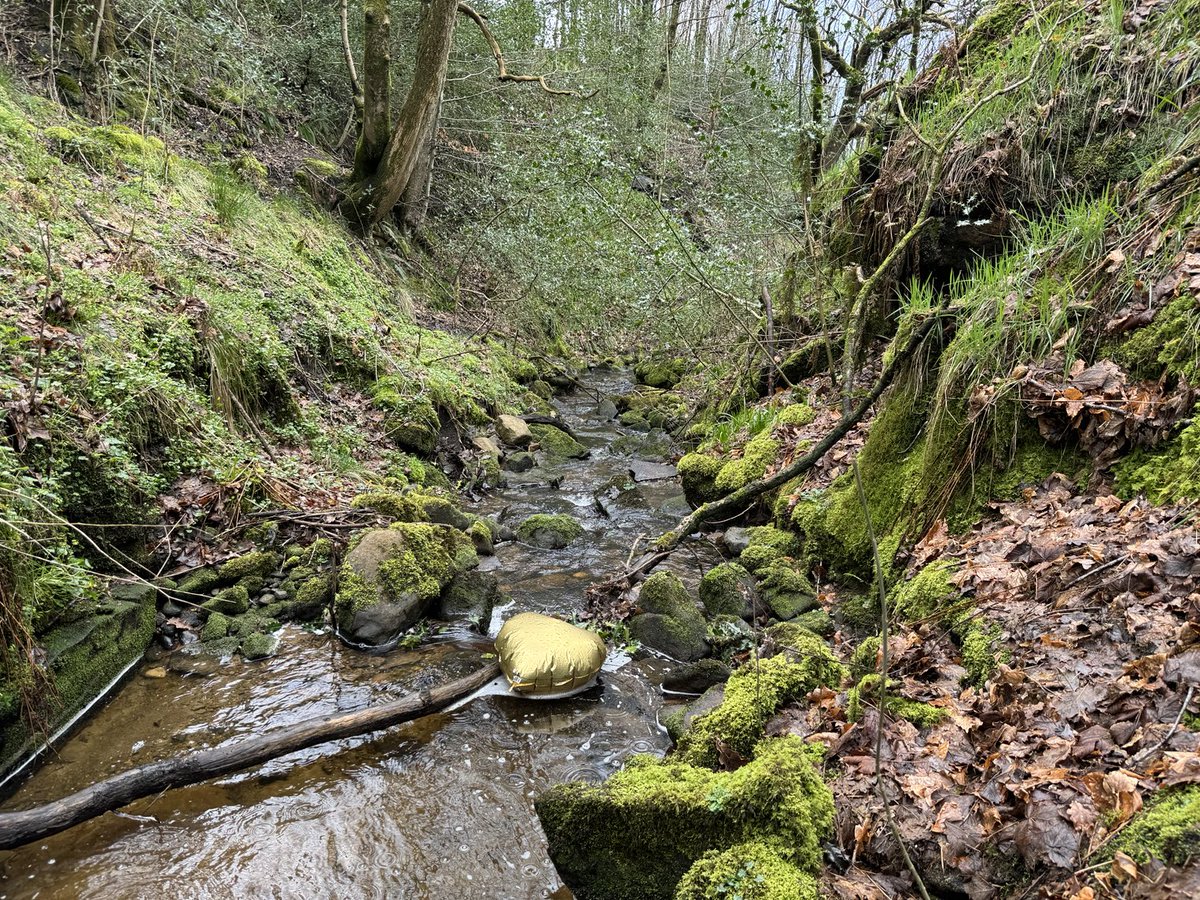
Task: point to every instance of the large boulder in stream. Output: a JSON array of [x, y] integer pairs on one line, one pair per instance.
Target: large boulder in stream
[[669, 621], [637, 836], [555, 442], [392, 575], [549, 532]]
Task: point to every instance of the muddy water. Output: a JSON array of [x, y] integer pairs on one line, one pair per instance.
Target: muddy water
[[438, 808]]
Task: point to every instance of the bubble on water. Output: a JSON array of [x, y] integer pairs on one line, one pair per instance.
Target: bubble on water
[[586, 774], [531, 871]]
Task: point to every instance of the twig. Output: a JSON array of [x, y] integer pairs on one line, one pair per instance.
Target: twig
[[1174, 727]]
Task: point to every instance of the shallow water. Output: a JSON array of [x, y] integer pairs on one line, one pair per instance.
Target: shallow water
[[437, 808]]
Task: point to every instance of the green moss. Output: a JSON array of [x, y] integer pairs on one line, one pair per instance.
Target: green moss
[[754, 693], [797, 415], [756, 458], [727, 589], [401, 507], [927, 594], [768, 546], [923, 715], [663, 593], [556, 442], [410, 419], [661, 373], [1168, 829], [787, 592], [482, 537], [698, 475], [198, 582], [1168, 474], [259, 562], [979, 654], [232, 601], [259, 645], [865, 659], [1170, 343], [550, 531], [818, 621], [750, 871], [215, 628], [678, 812]]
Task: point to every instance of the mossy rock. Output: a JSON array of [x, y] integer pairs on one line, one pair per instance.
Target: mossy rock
[[555, 442], [663, 374], [922, 715], [665, 594], [638, 834], [441, 511], [768, 546], [550, 532], [391, 575], [321, 181], [260, 563], [483, 537], [259, 645], [729, 589], [755, 692], [818, 621], [232, 601], [398, 506], [215, 628], [410, 420], [469, 597], [1168, 829], [756, 458], [696, 677], [786, 592], [698, 475], [750, 871], [729, 636], [682, 639]]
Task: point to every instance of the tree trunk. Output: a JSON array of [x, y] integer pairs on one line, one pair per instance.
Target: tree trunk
[[672, 39], [376, 90], [17, 828], [372, 197], [415, 201]]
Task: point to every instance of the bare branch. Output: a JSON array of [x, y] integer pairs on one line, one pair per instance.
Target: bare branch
[[503, 74], [355, 86]]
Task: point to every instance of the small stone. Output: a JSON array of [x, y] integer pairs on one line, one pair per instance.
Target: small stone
[[607, 409], [485, 444], [171, 609], [155, 672]]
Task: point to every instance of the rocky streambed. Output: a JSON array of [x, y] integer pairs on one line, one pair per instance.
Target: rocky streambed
[[442, 807]]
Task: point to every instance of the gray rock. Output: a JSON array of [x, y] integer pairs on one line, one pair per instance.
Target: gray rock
[[607, 409], [513, 431], [643, 470], [485, 444], [520, 462], [737, 539], [682, 639], [470, 596], [696, 677]]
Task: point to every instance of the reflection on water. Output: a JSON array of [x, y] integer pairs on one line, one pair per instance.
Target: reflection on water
[[438, 808]]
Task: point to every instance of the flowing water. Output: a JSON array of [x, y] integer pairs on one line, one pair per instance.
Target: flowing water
[[438, 808]]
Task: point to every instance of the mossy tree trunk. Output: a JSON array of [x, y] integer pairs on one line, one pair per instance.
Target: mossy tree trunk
[[382, 179]]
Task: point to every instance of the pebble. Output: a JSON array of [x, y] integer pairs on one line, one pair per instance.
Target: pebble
[[156, 672]]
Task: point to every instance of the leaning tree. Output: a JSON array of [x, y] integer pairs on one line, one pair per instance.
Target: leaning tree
[[393, 159]]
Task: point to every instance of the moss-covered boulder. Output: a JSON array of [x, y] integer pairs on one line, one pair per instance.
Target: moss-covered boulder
[[469, 597], [391, 575], [786, 591], [646, 409], [756, 458], [410, 419], [636, 836], [768, 546], [555, 442], [663, 374], [729, 590], [259, 563], [750, 871], [698, 475], [670, 621], [755, 692], [550, 532], [83, 657]]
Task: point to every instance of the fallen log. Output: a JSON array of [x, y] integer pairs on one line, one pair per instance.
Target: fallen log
[[17, 828]]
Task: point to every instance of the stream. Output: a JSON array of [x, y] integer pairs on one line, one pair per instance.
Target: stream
[[437, 808]]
